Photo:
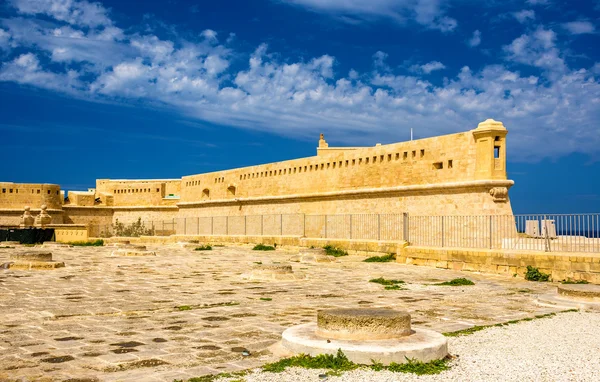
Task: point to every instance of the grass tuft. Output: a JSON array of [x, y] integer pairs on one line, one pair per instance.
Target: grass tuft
[[381, 259], [383, 281], [94, 243], [336, 364], [420, 368], [534, 274], [334, 251], [184, 307], [262, 247], [457, 282], [569, 281], [266, 299], [474, 329], [204, 248]]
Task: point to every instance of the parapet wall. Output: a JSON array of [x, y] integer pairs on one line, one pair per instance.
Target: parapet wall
[[19, 195], [429, 161], [140, 192], [456, 174]]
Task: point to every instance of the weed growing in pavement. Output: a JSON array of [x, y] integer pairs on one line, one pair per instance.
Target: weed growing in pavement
[[204, 248], [334, 251], [336, 364], [534, 274], [457, 282], [383, 281], [381, 259], [94, 243], [569, 281], [262, 247], [474, 329]]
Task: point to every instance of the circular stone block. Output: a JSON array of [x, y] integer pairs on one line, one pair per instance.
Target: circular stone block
[[272, 268], [270, 272], [32, 256], [313, 255], [132, 252], [54, 244], [423, 345], [580, 291], [363, 324]]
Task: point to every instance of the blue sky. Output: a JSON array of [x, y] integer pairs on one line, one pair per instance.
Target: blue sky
[[161, 89]]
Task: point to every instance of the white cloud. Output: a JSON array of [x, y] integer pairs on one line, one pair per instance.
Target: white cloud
[[67, 44], [524, 15], [4, 40], [76, 12], [26, 69], [428, 67], [430, 13], [579, 27], [475, 40], [552, 112], [537, 49]]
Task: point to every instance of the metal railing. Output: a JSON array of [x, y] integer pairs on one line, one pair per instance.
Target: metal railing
[[549, 233]]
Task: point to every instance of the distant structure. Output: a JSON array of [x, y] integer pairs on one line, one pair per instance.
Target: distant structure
[[456, 174]]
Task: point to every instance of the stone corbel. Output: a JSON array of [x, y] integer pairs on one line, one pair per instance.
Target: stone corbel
[[500, 194]]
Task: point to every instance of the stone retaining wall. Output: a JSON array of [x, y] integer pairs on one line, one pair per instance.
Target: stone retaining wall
[[574, 266]]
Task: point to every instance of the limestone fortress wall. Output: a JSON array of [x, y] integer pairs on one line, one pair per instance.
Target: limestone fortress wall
[[456, 174]]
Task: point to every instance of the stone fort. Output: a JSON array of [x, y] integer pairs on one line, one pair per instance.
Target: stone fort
[[456, 174]]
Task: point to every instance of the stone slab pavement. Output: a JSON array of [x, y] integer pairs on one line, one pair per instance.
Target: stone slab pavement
[[186, 313]]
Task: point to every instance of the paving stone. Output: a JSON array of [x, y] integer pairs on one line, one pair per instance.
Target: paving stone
[[178, 301]]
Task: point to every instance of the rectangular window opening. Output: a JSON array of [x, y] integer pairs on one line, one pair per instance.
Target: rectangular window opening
[[438, 165], [450, 163], [496, 152], [422, 153]]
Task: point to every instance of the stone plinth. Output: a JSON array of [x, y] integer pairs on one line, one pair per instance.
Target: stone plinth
[[272, 268], [139, 251], [312, 256], [573, 296], [363, 324], [365, 336], [587, 292], [54, 244], [272, 272], [34, 260], [9, 243], [32, 256]]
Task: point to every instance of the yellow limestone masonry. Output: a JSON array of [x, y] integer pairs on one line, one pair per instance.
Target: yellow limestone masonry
[[456, 174]]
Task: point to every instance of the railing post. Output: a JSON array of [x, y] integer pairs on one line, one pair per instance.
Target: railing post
[[245, 226], [163, 230], [325, 226], [212, 225], [185, 226], [491, 232], [198, 226], [350, 226], [280, 224], [405, 226], [227, 225], [546, 237], [303, 225], [378, 227], [262, 217], [442, 231]]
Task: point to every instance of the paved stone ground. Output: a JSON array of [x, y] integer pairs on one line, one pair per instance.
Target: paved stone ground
[[184, 313]]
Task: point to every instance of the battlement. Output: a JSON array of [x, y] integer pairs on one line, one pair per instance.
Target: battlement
[[19, 195], [462, 173]]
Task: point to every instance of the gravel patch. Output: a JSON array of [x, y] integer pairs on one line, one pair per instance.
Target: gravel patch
[[565, 347]]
